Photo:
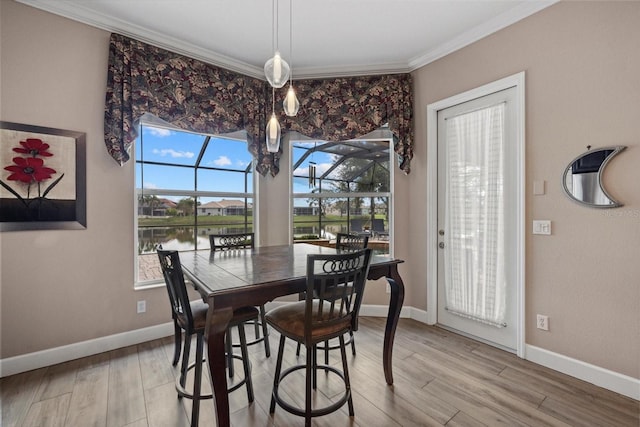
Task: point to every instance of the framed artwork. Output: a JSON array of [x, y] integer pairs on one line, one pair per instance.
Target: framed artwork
[[42, 178]]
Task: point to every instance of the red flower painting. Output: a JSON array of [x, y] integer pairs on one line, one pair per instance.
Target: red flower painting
[[30, 171], [33, 147]]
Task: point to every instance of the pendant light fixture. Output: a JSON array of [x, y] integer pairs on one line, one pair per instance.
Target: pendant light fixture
[[276, 69], [290, 103], [273, 127]]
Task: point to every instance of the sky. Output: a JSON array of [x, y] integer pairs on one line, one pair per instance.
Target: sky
[[183, 148]]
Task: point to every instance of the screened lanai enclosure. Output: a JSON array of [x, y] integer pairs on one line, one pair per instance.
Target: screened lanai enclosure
[[191, 185], [341, 187]]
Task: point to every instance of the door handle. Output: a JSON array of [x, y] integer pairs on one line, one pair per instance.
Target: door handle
[[441, 245], [441, 232]]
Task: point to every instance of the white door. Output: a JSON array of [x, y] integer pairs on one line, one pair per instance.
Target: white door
[[478, 218]]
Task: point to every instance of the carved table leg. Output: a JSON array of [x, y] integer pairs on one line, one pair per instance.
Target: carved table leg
[[217, 323], [395, 306]]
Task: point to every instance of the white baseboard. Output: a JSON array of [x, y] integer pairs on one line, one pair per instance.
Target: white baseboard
[[622, 384], [370, 310], [420, 315], [52, 356]]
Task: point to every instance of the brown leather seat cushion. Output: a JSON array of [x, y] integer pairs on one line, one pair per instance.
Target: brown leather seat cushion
[[289, 320], [199, 312]]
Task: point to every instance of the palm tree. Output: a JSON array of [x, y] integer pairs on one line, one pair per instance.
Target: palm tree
[[186, 205]]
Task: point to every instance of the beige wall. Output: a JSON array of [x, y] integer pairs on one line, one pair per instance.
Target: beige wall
[[62, 287], [582, 64]]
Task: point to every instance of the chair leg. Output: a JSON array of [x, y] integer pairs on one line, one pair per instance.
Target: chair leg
[[301, 297], [353, 343], [314, 366], [185, 359], [276, 377], [345, 369], [256, 329], [326, 352], [265, 331], [178, 342], [229, 347], [197, 382], [245, 362], [310, 372]]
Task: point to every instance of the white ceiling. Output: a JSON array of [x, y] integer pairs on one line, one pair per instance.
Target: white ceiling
[[330, 37]]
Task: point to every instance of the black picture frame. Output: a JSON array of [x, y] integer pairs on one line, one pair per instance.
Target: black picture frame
[[55, 199]]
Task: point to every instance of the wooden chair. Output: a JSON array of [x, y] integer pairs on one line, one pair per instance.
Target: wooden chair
[[192, 318], [232, 241], [335, 285]]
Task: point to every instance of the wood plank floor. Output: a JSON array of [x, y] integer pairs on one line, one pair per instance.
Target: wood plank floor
[[440, 379]]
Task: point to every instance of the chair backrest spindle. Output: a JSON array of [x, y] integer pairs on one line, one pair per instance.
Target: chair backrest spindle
[[224, 242], [351, 242]]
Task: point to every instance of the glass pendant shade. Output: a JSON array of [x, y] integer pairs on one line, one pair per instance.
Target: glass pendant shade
[[290, 103], [276, 70], [273, 134]]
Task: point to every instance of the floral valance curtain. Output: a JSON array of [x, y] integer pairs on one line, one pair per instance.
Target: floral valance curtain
[[339, 109], [201, 97], [183, 91]]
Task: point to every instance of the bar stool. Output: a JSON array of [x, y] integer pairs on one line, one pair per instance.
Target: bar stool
[[192, 318], [344, 243], [335, 285]]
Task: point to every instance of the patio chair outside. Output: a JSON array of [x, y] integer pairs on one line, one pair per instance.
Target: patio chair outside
[[378, 229]]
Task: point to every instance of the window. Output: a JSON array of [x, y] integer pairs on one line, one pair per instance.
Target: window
[[342, 187], [188, 186]]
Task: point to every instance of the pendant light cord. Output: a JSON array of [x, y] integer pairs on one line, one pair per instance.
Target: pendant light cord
[[277, 12], [290, 42], [273, 25]]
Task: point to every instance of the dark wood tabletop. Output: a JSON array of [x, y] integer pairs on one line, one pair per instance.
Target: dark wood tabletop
[[245, 277]]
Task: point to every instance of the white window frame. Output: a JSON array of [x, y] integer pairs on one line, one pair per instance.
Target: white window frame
[[138, 285], [292, 196]]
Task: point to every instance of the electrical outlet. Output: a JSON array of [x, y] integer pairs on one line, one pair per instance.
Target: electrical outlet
[[542, 322], [142, 306]]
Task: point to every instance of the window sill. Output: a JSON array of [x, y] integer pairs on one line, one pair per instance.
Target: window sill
[[147, 285]]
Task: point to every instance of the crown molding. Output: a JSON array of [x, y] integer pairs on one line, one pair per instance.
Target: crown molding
[[479, 32], [78, 12], [349, 71]]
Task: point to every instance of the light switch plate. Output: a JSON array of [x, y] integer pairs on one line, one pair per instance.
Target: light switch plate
[[538, 188], [541, 226]]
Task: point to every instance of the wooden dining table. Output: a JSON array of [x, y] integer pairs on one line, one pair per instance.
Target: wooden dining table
[[249, 277]]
